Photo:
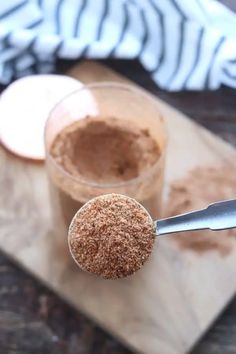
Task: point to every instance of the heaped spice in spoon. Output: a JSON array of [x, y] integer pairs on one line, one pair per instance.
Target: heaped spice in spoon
[[111, 236]]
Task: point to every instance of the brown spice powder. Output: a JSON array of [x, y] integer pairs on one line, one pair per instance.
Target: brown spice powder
[[202, 187], [111, 236], [104, 150]]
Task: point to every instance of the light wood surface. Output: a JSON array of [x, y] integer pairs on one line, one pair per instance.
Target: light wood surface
[[167, 305]]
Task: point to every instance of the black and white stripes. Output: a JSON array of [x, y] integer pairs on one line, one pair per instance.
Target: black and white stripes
[[183, 44]]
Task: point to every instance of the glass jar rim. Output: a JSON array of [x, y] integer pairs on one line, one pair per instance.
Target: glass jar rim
[[111, 85]]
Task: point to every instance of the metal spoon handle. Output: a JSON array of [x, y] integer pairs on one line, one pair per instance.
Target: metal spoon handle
[[217, 216]]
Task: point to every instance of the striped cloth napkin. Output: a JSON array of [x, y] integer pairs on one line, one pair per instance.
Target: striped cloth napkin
[[184, 44]]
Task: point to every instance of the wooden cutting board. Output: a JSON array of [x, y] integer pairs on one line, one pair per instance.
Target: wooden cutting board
[[167, 305]]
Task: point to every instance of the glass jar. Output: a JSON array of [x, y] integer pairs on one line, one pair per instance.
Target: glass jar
[[103, 101]]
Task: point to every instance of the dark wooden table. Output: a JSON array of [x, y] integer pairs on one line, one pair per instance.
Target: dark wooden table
[[33, 320]]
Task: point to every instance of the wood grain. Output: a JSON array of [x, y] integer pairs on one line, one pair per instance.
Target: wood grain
[[33, 320], [170, 340]]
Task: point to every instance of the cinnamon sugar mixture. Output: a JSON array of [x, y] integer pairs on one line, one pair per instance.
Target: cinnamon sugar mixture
[[202, 187], [111, 236]]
